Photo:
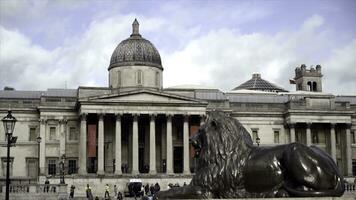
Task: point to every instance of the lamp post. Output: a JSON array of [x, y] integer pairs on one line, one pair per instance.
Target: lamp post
[[63, 157], [38, 139], [9, 125], [258, 140]]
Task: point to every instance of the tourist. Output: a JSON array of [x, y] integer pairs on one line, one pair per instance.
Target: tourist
[[88, 192], [119, 196], [107, 193], [71, 194], [46, 188], [152, 189], [147, 189], [115, 190], [157, 188]]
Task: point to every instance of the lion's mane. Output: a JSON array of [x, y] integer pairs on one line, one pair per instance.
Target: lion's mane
[[226, 145]]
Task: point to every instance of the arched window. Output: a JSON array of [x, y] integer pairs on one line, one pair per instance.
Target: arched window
[[314, 86], [309, 86]]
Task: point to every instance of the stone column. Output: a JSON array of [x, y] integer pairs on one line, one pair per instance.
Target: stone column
[[153, 145], [292, 132], [101, 144], [135, 145], [118, 145], [42, 149], [308, 134], [202, 120], [348, 150], [332, 142], [83, 145], [62, 137], [186, 169], [169, 145]]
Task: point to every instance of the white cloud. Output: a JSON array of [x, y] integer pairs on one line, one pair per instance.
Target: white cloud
[[225, 58], [222, 58]]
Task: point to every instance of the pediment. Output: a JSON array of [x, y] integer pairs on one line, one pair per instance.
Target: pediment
[[143, 97]]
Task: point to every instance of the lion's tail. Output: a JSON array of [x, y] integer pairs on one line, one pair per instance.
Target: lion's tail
[[338, 191]]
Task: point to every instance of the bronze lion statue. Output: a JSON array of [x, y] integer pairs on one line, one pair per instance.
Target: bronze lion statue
[[230, 166]]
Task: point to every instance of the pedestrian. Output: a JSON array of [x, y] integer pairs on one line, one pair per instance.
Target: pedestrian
[[157, 188], [152, 189], [107, 192], [147, 189], [71, 194], [96, 198], [88, 190], [115, 190], [46, 188], [119, 196]]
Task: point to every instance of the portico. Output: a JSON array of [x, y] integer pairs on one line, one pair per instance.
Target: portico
[[137, 138]]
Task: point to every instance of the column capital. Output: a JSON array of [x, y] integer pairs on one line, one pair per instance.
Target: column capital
[[186, 117], [153, 116], [118, 116], [101, 116], [63, 121], [135, 116], [332, 125], [308, 124], [83, 116], [42, 121], [169, 116]]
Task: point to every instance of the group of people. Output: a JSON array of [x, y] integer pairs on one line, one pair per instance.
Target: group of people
[[117, 194], [151, 189]]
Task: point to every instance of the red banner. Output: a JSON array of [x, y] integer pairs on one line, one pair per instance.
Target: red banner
[[193, 130], [92, 140]]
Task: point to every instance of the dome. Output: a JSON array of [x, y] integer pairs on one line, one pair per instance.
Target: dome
[[257, 83], [134, 51]]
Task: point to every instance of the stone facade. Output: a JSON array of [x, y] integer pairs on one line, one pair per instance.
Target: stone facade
[[137, 129]]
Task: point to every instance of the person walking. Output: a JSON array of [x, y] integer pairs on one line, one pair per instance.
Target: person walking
[[88, 192], [71, 194], [115, 190], [107, 192]]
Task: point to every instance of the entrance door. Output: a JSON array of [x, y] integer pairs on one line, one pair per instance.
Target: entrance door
[[178, 159]]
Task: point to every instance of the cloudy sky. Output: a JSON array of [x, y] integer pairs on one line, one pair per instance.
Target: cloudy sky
[[58, 43]]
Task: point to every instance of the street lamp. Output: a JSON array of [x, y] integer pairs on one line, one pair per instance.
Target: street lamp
[[38, 139], [258, 140], [62, 169], [9, 125]]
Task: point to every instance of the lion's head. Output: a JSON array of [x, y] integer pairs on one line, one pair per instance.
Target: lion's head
[[222, 145]]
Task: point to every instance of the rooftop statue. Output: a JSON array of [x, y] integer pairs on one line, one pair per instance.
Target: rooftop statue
[[230, 166]]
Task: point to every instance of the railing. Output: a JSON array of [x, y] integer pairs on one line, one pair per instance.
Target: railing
[[350, 188], [31, 188]]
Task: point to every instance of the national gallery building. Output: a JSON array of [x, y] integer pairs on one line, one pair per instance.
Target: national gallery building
[[135, 128]]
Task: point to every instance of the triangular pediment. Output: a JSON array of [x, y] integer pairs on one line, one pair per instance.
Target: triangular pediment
[[143, 96]]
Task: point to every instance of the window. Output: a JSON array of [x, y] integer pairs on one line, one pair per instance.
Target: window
[[119, 78], [52, 133], [353, 139], [139, 77], [254, 134], [32, 134], [314, 86], [32, 167], [354, 167], [315, 137], [157, 79], [73, 133], [72, 166], [276, 136], [3, 163], [52, 166]]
